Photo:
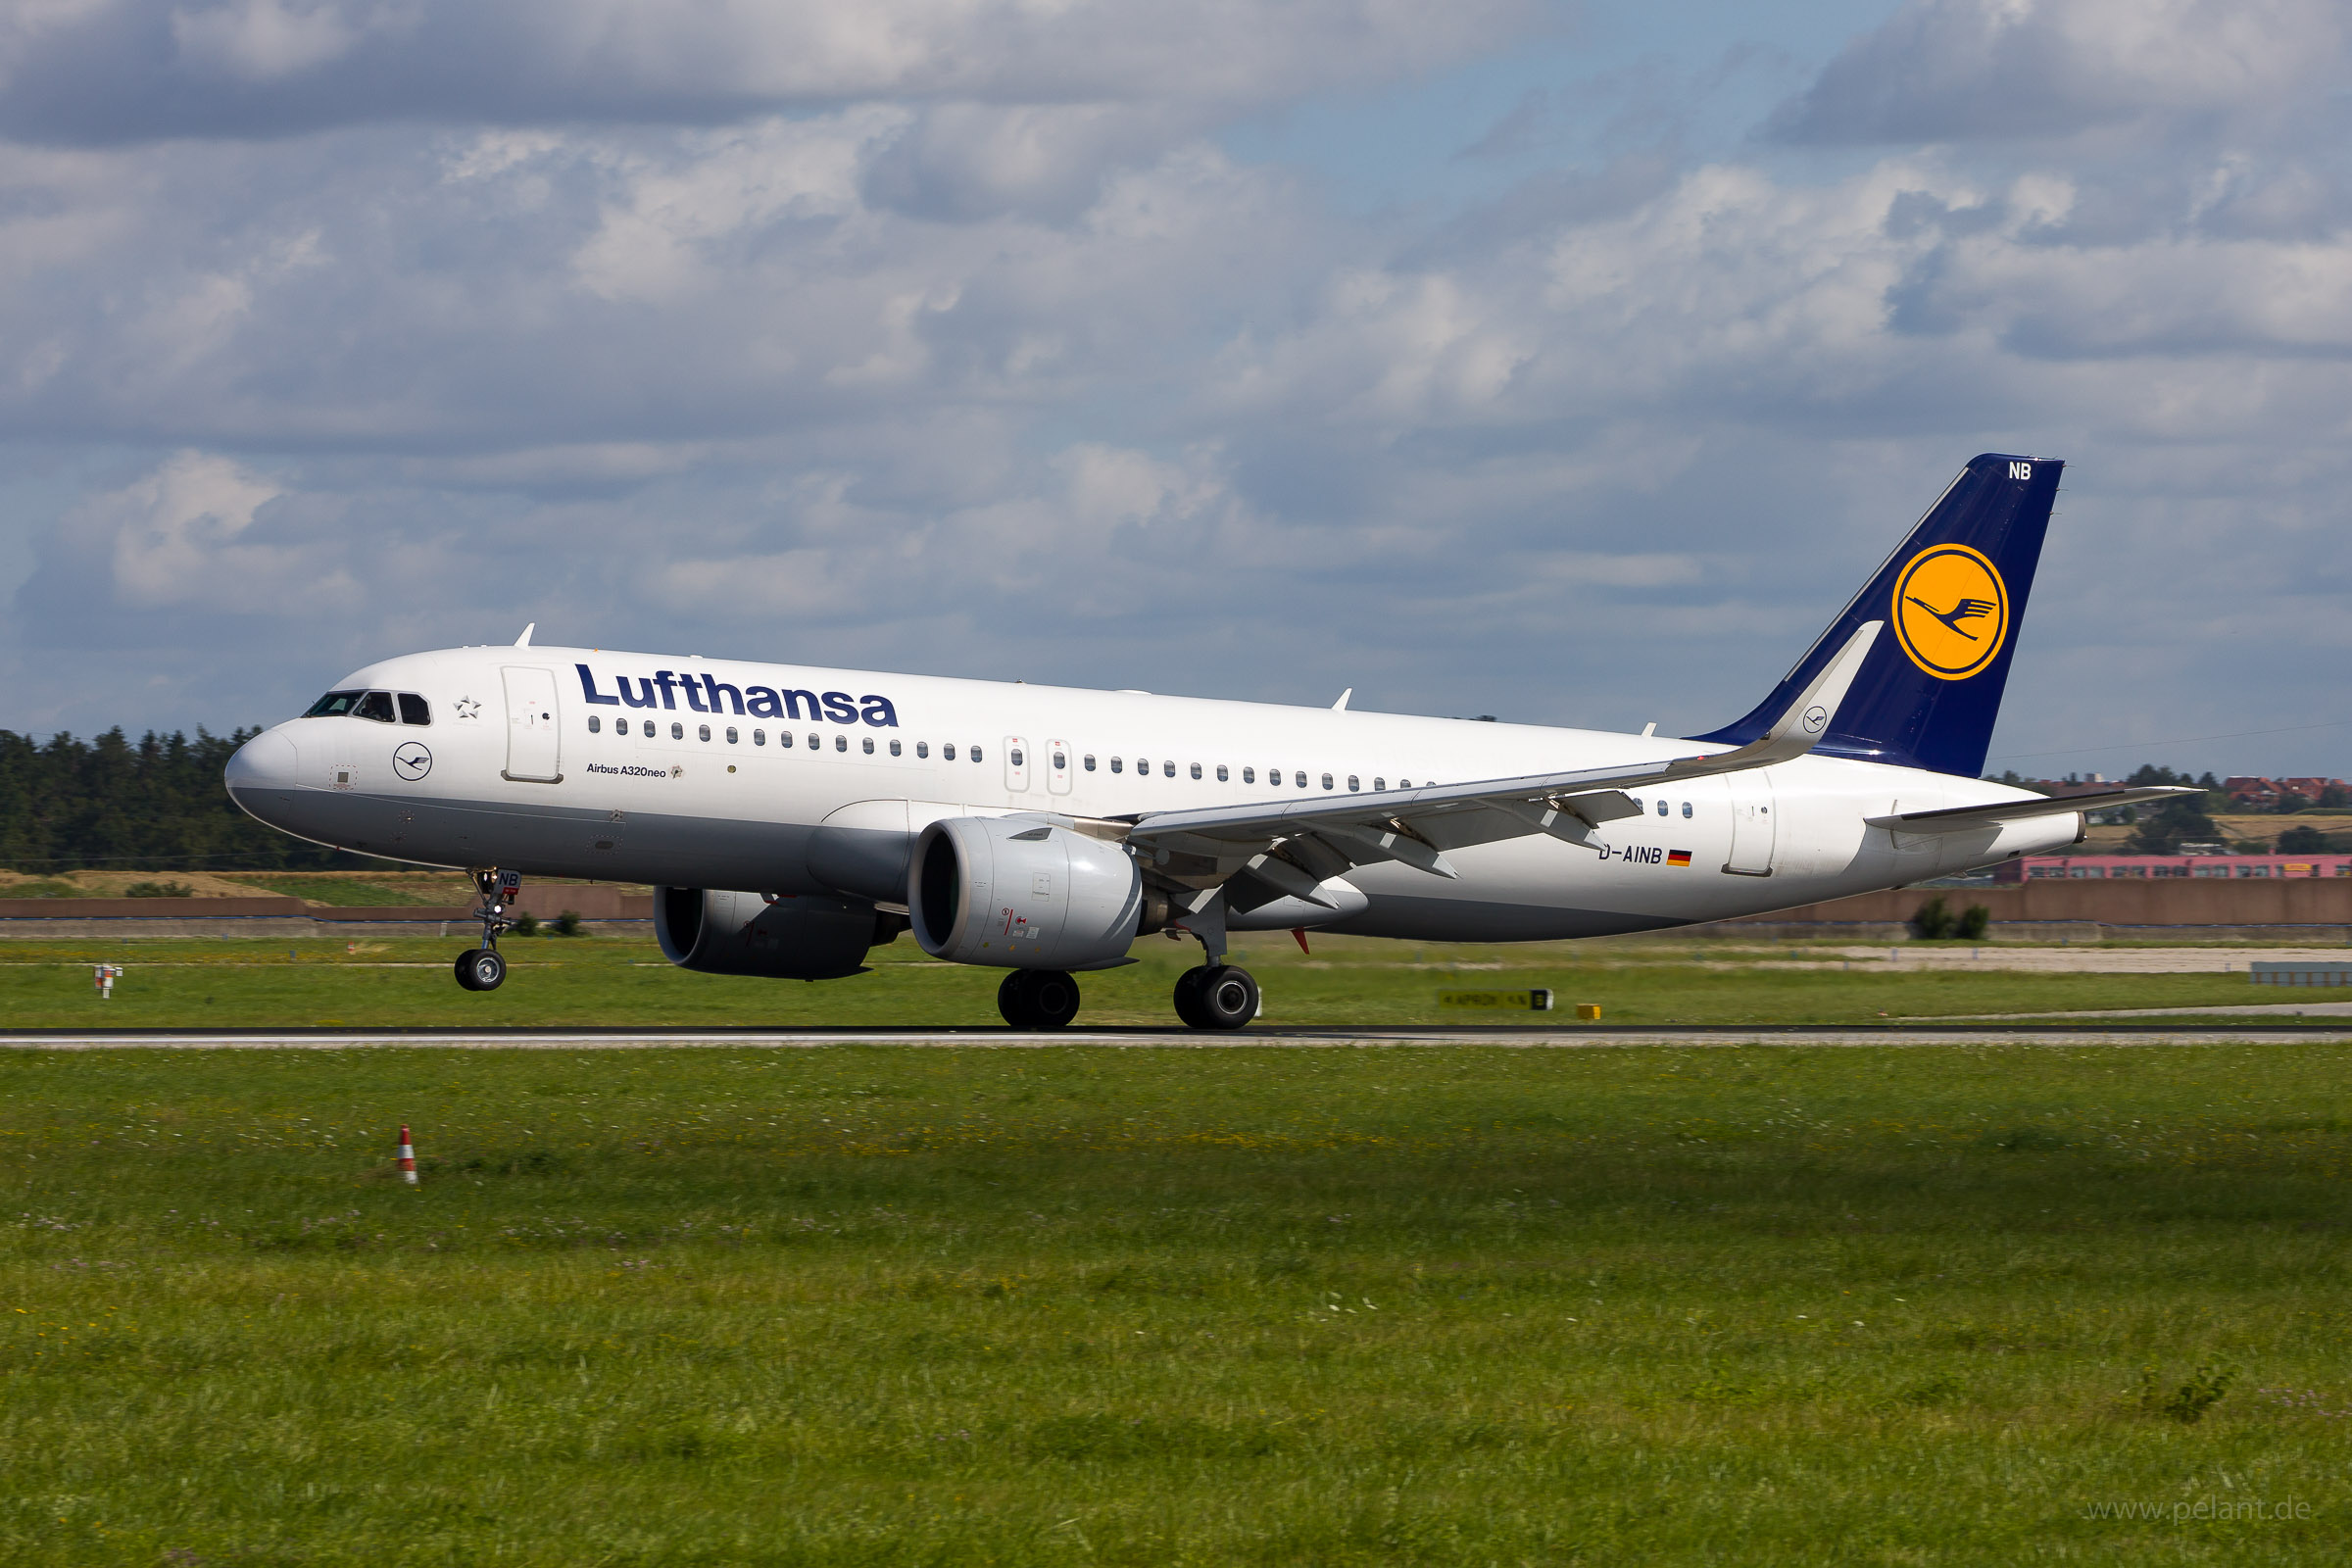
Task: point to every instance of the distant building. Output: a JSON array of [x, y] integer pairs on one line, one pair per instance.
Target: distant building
[[2264, 794], [2106, 868]]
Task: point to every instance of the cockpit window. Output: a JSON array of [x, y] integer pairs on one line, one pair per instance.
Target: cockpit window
[[376, 706], [334, 705], [414, 710]]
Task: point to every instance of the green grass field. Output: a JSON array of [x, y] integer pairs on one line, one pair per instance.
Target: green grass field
[[624, 981], [1432, 1306]]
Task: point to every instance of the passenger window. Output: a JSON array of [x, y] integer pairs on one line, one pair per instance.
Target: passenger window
[[894, 749], [947, 753], [1352, 782], [869, 746], [1327, 781], [1248, 776], [975, 753], [730, 734], [1221, 774], [841, 743], [1015, 753], [1196, 770], [784, 739], [677, 732], [1143, 765], [1116, 765], [759, 737], [705, 731], [414, 710], [816, 741], [1089, 761], [376, 706], [922, 748], [1685, 807], [1379, 783], [594, 723], [334, 705], [1661, 808], [1302, 781]]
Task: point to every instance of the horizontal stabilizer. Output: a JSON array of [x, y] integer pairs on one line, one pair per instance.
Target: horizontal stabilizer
[[1964, 819]]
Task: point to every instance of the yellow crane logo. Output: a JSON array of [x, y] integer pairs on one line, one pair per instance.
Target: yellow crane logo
[[1952, 610]]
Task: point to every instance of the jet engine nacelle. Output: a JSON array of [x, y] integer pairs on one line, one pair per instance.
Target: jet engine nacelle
[[806, 938], [1020, 894]]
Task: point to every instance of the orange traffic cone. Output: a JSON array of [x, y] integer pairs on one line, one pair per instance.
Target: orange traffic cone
[[408, 1157]]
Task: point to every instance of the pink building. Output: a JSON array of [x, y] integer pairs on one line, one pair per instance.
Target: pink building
[[2117, 866]]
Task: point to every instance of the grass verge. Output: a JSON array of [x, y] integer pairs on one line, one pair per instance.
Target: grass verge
[[623, 982], [865, 1305]]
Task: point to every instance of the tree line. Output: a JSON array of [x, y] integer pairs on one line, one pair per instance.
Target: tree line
[[2162, 828], [154, 804]]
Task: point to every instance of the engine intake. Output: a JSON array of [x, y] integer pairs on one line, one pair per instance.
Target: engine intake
[[1020, 894], [806, 938]]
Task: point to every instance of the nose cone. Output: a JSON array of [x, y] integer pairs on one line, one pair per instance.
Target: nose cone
[[264, 767]]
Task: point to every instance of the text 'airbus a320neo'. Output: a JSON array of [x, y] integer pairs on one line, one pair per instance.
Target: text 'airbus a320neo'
[[791, 818]]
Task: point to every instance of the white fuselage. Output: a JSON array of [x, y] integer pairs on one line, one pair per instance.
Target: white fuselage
[[686, 797]]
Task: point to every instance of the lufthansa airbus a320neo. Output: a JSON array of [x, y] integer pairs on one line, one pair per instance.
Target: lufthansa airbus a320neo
[[791, 818]]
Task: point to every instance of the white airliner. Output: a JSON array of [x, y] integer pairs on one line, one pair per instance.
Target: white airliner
[[791, 818]]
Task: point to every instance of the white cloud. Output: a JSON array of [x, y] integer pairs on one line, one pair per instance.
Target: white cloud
[[1951, 70], [184, 536], [128, 69], [262, 40], [660, 228]]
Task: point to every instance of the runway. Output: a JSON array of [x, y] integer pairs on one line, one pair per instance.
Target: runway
[[1586, 1037]]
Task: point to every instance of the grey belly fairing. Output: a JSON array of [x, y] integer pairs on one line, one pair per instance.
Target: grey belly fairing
[[541, 839]]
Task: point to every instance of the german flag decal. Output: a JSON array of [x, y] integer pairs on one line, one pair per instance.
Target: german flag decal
[[1677, 856]]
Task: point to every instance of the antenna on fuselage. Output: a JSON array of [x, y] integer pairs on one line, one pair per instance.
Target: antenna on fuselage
[[524, 641], [1343, 702]]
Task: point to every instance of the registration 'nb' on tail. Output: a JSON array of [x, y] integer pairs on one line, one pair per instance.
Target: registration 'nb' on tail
[[1953, 594]]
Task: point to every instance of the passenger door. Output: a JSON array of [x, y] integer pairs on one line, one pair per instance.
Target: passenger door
[[1752, 830], [534, 747]]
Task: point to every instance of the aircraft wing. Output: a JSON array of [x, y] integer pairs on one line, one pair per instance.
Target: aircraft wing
[[1279, 848], [1962, 818]]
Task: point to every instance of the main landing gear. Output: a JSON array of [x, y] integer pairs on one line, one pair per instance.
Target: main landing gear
[[1038, 999], [1218, 995], [482, 968]]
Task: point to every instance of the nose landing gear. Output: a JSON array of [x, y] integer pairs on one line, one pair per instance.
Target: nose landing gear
[[482, 968]]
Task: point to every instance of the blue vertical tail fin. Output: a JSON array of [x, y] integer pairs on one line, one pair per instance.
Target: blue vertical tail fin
[[1952, 594]]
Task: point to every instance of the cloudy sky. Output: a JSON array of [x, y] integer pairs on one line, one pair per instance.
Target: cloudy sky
[[1566, 363]]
